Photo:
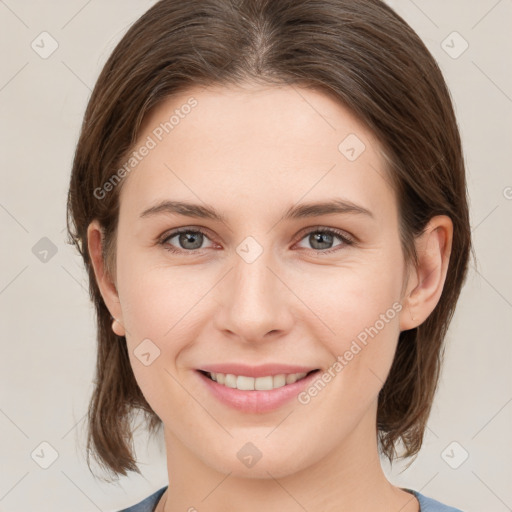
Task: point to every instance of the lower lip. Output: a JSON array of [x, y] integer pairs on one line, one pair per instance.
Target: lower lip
[[256, 401]]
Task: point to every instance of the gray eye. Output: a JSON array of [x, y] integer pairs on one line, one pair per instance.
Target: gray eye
[[190, 240], [321, 240]]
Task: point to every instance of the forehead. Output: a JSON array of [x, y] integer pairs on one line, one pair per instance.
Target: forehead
[[253, 144]]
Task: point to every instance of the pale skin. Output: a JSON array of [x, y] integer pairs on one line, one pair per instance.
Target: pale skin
[[253, 152]]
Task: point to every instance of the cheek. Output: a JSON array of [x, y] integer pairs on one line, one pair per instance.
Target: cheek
[[349, 298], [359, 306], [158, 307], [157, 300]]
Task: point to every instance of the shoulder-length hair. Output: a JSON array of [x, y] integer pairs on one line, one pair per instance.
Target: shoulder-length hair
[[359, 52]]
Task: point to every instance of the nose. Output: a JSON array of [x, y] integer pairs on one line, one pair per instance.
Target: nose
[[255, 302]]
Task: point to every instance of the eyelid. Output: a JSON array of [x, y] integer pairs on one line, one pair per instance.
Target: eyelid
[[176, 231], [347, 238]]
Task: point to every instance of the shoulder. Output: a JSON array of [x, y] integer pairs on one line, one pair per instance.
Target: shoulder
[[431, 505], [426, 504], [148, 504]]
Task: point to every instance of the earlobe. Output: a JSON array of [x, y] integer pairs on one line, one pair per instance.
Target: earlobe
[[103, 278], [118, 327], [433, 248]]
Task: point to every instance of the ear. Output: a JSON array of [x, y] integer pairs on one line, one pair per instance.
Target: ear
[[105, 282], [425, 283]]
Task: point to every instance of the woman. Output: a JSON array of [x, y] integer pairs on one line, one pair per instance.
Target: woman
[[270, 200]]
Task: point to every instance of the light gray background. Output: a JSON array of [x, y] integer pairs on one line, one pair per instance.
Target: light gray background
[[47, 323]]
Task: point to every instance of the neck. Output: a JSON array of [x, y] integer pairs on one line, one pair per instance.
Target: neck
[[347, 479]]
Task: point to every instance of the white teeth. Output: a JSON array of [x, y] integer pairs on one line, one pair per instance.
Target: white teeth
[[230, 381], [267, 383], [291, 378]]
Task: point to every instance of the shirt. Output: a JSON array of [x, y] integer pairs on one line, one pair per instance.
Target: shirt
[[426, 504]]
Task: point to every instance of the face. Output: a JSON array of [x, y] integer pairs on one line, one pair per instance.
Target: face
[[269, 282]]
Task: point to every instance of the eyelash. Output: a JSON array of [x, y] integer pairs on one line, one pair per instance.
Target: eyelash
[[347, 241]]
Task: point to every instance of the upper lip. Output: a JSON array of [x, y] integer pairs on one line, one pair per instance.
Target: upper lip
[[256, 371]]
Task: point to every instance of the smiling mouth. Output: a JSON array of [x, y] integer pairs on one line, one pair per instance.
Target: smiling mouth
[[266, 383]]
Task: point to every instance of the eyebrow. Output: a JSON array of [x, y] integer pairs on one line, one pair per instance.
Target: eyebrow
[[299, 211]]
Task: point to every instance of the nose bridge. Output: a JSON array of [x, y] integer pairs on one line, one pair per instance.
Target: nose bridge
[[255, 302]]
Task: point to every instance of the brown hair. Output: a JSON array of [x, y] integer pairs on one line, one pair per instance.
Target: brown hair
[[371, 61]]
